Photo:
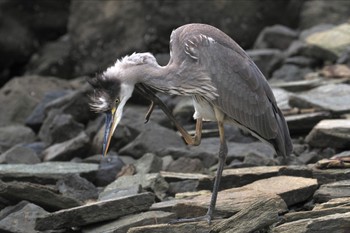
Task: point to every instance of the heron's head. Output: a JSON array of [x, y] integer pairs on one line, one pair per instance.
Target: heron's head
[[114, 87]]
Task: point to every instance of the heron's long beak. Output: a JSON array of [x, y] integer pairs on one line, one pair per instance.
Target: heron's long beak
[[112, 120]]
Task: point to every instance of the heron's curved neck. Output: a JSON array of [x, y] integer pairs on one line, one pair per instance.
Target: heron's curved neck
[[158, 77]]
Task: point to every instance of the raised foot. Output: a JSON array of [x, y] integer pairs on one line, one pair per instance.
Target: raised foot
[[206, 217]]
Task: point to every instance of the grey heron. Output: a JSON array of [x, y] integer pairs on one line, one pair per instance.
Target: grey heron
[[206, 64]]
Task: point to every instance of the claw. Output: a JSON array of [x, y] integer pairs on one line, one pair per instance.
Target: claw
[[149, 112]]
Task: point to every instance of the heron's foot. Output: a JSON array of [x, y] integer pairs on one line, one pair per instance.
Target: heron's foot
[[206, 217]]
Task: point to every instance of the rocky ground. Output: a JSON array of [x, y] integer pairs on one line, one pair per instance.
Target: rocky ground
[[54, 179]]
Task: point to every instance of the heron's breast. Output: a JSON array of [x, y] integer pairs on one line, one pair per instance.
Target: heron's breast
[[203, 109]]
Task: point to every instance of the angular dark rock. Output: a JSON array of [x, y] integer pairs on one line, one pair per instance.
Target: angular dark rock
[[17, 103], [333, 203], [332, 190], [148, 163], [13, 135], [186, 165], [38, 194], [76, 103], [182, 186], [267, 60], [259, 215], [330, 133], [95, 212], [276, 36], [59, 127], [21, 155], [77, 188], [153, 140], [304, 122], [289, 72], [47, 172], [22, 217], [75, 147], [36, 118], [258, 159], [123, 224], [109, 167]]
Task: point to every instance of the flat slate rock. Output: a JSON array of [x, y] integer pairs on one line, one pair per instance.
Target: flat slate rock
[[152, 181], [298, 189], [261, 214], [123, 224], [331, 97], [193, 227], [44, 171], [238, 177], [231, 201], [336, 202], [37, 194], [95, 212], [332, 190], [330, 223], [304, 122], [330, 133], [325, 176], [295, 216]]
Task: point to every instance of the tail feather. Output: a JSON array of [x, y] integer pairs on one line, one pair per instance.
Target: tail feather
[[282, 143]]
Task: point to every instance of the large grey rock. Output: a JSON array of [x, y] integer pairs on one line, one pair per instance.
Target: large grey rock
[[47, 172], [331, 97], [53, 59], [154, 139], [313, 12], [95, 212], [123, 224], [59, 128], [38, 194], [20, 154], [334, 40], [325, 176], [22, 217], [13, 135], [199, 226], [330, 133], [106, 23], [330, 191], [67, 150], [16, 102]]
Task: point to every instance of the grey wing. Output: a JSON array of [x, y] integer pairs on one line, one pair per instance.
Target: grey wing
[[244, 94]]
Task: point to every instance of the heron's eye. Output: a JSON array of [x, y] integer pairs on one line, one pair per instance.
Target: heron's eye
[[117, 101]]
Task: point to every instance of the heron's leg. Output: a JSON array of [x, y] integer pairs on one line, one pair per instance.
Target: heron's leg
[[222, 159], [148, 93]]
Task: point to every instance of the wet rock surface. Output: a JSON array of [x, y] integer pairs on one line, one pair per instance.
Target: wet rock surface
[[53, 177]]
